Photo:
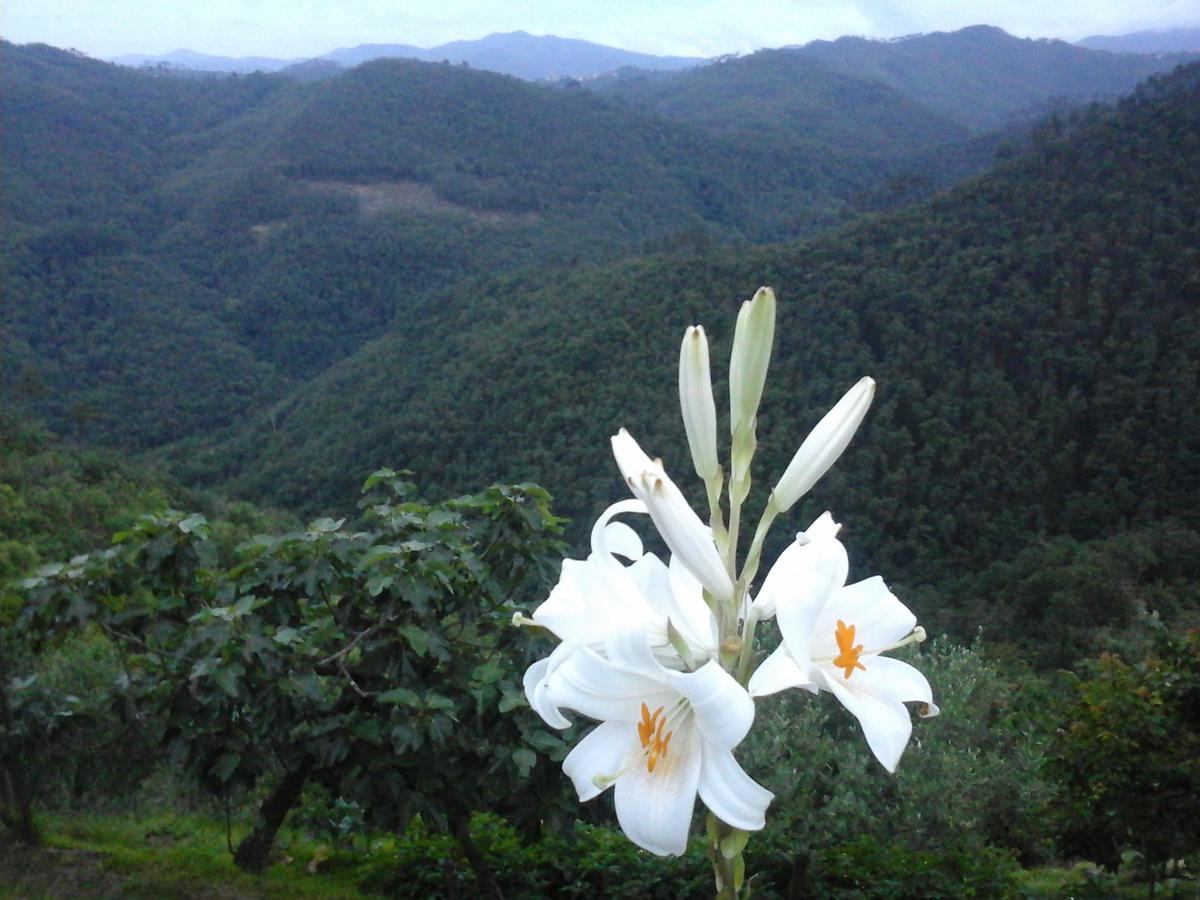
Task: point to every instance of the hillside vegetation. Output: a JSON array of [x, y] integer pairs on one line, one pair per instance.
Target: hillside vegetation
[[255, 230], [1034, 333]]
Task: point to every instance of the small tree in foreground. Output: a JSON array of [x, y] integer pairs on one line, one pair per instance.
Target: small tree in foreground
[[372, 661], [1128, 754]]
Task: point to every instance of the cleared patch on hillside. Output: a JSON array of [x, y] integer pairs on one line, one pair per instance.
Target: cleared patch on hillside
[[383, 197]]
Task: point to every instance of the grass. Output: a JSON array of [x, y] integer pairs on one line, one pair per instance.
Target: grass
[[167, 855], [173, 856]]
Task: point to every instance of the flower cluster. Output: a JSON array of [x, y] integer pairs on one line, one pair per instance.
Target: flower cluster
[[663, 656]]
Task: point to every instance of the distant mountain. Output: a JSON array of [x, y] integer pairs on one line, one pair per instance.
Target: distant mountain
[[532, 57], [1173, 40], [203, 62], [782, 95], [524, 55], [982, 76]]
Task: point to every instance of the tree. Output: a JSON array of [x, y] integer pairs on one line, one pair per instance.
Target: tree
[[1128, 752], [375, 661]]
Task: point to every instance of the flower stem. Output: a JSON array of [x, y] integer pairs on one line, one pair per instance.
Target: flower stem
[[742, 673], [754, 557], [725, 845]]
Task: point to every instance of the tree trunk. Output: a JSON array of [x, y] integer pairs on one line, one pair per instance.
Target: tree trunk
[[16, 805], [252, 853], [460, 824]]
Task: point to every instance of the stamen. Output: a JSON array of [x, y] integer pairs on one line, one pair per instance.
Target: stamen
[[848, 658], [845, 639], [653, 731]]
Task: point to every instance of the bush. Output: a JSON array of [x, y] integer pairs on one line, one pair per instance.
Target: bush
[[971, 779]]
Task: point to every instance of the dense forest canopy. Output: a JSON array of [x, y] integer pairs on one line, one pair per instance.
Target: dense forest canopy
[[1034, 334], [278, 225]]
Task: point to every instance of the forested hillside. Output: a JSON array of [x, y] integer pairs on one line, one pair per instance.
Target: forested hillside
[[978, 79], [1024, 327], [986, 78], [212, 242], [785, 96], [1034, 334]]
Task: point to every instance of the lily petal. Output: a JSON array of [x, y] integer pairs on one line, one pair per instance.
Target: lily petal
[[723, 710], [535, 689], [595, 687], [778, 672], [885, 720], [593, 763], [654, 809], [623, 540], [879, 618], [726, 789], [810, 576]]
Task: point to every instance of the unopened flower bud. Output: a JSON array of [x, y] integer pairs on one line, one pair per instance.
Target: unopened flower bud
[[696, 402], [824, 445], [752, 340]]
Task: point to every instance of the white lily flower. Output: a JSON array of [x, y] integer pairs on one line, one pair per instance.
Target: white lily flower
[[824, 444], [833, 635], [815, 558], [697, 404], [599, 596], [688, 538], [664, 737]]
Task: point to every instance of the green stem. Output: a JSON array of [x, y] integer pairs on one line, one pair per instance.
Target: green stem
[[742, 674], [713, 487], [754, 557], [725, 845]]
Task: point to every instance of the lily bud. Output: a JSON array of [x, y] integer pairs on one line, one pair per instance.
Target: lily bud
[[696, 402], [824, 445], [682, 531], [752, 340]]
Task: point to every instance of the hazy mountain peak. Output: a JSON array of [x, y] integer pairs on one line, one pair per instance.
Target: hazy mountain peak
[[1171, 40]]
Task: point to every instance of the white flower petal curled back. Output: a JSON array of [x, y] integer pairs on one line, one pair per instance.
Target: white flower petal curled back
[[688, 538], [664, 738], [597, 594], [833, 636], [601, 595]]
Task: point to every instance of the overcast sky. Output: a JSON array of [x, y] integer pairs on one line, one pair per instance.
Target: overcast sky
[[304, 28]]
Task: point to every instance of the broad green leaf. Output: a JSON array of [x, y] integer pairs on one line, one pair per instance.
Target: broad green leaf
[[417, 639], [525, 760], [225, 765], [226, 679], [400, 695]]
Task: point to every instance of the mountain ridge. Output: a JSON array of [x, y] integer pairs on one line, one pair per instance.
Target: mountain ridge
[[517, 53]]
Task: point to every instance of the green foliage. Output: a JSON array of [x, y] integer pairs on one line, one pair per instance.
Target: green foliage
[[58, 500], [1128, 755], [1061, 600], [971, 778], [592, 861], [374, 660]]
